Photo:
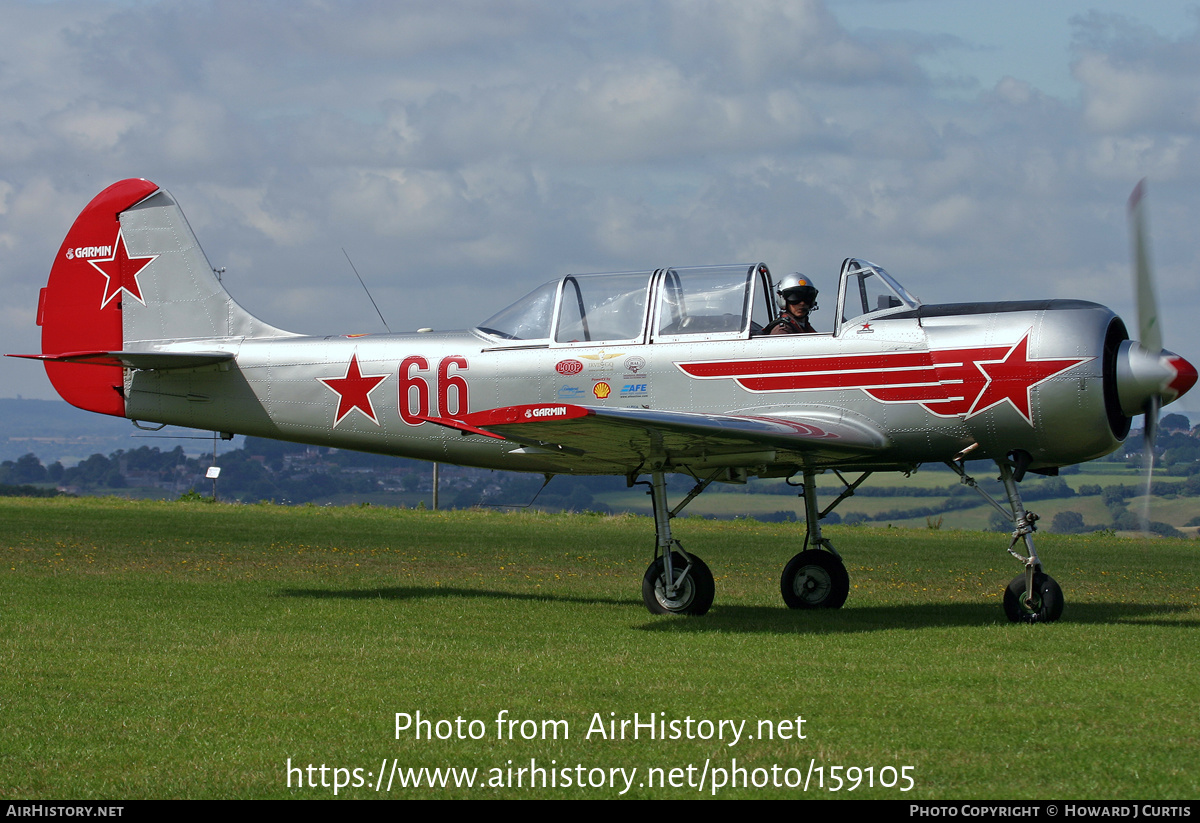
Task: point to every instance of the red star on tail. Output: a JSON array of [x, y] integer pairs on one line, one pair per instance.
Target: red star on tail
[[121, 272], [353, 391]]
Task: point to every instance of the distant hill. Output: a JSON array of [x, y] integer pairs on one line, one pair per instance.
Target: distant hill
[[56, 430]]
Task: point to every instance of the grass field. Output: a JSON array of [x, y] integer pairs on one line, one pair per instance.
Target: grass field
[[191, 650]]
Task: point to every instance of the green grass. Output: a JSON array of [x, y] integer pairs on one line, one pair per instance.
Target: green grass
[[189, 650]]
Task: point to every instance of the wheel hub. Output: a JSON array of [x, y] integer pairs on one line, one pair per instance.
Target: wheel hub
[[812, 583], [814, 579], [684, 592]]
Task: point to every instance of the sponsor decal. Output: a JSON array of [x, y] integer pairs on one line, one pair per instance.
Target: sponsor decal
[[635, 364], [866, 329], [600, 361], [568, 367], [602, 390], [545, 411], [635, 389], [85, 252], [570, 392], [601, 355]]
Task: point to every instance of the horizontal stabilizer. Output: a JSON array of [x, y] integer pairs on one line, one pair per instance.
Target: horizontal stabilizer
[[141, 360]]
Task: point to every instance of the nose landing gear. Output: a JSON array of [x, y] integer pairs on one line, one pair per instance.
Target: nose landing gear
[[1033, 597]]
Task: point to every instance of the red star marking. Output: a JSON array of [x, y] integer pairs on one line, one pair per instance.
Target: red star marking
[[353, 391], [1013, 378], [948, 382], [121, 272]]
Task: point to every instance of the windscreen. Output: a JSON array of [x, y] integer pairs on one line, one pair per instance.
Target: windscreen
[[527, 319]]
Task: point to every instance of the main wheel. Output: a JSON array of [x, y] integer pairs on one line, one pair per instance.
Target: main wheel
[[1047, 600], [814, 579], [694, 596]]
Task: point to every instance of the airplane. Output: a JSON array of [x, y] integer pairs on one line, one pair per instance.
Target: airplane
[[643, 373]]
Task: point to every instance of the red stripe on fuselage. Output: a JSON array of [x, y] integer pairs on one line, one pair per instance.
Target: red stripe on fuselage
[[946, 382], [809, 365]]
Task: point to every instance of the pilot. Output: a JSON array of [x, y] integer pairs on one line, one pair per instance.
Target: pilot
[[797, 297]]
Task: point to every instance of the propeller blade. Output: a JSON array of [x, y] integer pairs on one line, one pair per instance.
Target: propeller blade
[[1149, 330]]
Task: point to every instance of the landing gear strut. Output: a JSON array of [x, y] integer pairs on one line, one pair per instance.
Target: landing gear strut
[[680, 583], [676, 582], [1032, 597], [816, 578]]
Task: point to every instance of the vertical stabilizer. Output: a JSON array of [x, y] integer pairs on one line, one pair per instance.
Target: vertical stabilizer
[[130, 276], [180, 297]]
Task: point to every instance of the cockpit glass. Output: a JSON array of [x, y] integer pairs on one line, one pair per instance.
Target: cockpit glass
[[700, 303], [868, 289], [602, 307], [703, 300], [527, 319]]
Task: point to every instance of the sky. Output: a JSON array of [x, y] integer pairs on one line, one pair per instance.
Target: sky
[[461, 153]]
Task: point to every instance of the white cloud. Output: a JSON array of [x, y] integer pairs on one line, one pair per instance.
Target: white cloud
[[248, 205], [92, 127], [1134, 79], [767, 42], [1124, 98]]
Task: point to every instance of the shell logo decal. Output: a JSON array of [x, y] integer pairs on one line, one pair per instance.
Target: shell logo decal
[[602, 390]]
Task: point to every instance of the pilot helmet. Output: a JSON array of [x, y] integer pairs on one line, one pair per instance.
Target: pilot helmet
[[795, 285]]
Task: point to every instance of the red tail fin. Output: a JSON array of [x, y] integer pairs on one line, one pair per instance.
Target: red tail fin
[[80, 308]]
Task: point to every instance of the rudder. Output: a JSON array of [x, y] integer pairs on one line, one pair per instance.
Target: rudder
[[79, 310]]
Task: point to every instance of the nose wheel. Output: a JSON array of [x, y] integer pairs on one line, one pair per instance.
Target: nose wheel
[[1044, 604], [1033, 597]]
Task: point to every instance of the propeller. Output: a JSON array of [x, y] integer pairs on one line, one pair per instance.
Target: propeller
[[1153, 376]]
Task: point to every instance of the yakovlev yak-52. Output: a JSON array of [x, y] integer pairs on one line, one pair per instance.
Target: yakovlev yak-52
[[638, 373]]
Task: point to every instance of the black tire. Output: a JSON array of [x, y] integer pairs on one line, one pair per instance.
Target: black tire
[[694, 598], [814, 579], [1047, 601]]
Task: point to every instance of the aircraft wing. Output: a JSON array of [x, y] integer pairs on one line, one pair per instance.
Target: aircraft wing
[[636, 438]]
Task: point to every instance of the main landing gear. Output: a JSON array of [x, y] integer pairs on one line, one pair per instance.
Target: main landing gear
[[816, 578], [1032, 597], [676, 582], [680, 583]]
